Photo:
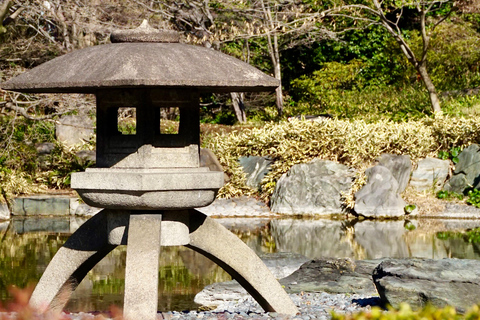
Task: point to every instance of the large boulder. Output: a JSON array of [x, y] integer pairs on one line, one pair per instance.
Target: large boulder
[[467, 170], [333, 276], [312, 188], [430, 174], [400, 166], [380, 197], [255, 168], [424, 281]]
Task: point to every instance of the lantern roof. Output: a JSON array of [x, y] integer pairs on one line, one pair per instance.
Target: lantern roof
[[143, 57]]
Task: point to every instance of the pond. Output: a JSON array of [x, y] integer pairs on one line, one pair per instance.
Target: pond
[[27, 245]]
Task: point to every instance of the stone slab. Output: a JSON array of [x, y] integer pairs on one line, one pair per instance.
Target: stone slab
[[41, 205], [418, 282], [333, 276]]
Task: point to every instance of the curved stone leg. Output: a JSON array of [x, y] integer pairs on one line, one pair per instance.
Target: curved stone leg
[[80, 253], [228, 251]]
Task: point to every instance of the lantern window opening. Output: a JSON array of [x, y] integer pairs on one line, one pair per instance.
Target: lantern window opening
[[169, 120], [127, 120]]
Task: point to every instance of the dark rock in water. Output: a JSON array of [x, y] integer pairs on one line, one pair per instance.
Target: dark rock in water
[[380, 197], [424, 281], [255, 169], [44, 147], [430, 174], [400, 166], [312, 188], [333, 276], [467, 170]]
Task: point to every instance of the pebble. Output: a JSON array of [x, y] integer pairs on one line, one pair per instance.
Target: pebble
[[311, 306]]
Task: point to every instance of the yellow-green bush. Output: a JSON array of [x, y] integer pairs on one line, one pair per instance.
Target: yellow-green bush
[[355, 143], [406, 313]]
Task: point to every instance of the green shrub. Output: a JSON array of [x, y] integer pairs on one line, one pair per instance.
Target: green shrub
[[406, 313], [474, 198]]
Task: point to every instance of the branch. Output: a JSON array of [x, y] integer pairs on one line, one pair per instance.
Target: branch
[[4, 9], [24, 113]]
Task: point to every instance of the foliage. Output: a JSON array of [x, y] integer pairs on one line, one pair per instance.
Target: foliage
[[474, 198], [470, 236], [452, 154], [410, 208], [455, 57], [449, 195], [23, 170], [355, 143], [337, 89], [406, 313]]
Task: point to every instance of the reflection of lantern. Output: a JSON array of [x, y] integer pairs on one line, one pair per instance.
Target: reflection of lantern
[[149, 182]]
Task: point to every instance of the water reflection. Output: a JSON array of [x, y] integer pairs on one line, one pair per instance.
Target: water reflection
[[374, 239], [27, 245]]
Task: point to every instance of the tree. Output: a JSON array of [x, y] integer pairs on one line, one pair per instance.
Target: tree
[[282, 25], [390, 15]]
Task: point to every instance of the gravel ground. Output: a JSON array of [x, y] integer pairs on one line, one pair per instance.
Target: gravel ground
[[311, 306]]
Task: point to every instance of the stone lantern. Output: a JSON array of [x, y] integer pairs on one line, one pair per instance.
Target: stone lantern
[[149, 182]]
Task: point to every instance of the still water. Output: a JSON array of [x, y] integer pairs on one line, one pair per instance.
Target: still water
[[27, 245]]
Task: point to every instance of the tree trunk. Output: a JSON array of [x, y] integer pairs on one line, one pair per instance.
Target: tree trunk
[[4, 7], [278, 75], [238, 106], [422, 69]]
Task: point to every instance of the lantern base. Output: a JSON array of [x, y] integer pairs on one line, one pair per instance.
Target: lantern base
[[143, 232]]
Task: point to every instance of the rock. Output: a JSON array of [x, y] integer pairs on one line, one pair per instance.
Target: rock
[[467, 170], [380, 197], [78, 208], [74, 129], [422, 281], [283, 264], [255, 169], [400, 166], [430, 174], [460, 211], [237, 207], [221, 292], [333, 276], [44, 147], [87, 156], [4, 211], [280, 264], [312, 188]]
